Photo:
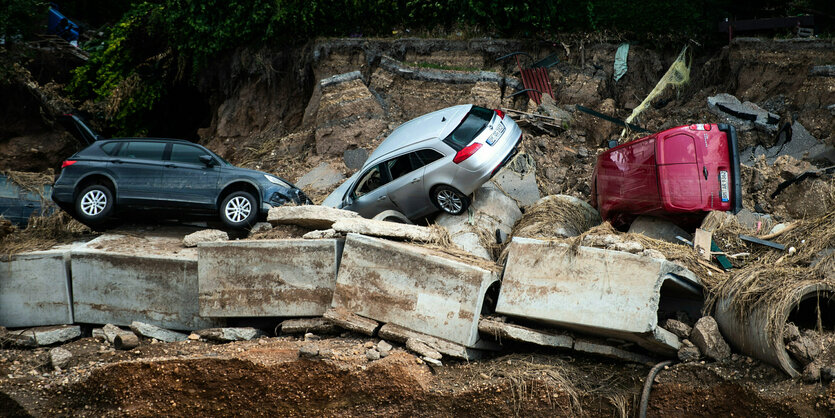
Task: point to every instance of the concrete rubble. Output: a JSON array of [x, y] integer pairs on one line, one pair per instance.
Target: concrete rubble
[[492, 210], [744, 116], [230, 334], [518, 180], [305, 325], [35, 289], [153, 331], [801, 145], [111, 331], [308, 216], [596, 291], [43, 336], [502, 331], [206, 235], [59, 357], [351, 322], [412, 286], [400, 335], [709, 340], [118, 279], [385, 229], [269, 278]]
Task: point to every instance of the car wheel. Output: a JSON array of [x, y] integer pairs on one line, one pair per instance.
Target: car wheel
[[450, 200], [94, 204], [239, 210]]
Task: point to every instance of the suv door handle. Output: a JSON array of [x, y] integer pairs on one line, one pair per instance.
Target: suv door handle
[[415, 180], [382, 198]]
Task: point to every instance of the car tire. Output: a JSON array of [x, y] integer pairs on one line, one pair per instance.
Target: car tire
[[94, 204], [449, 200], [239, 210]]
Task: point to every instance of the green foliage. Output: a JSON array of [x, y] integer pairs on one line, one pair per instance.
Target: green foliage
[[21, 18]]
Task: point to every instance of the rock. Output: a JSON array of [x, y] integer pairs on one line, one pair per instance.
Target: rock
[[43, 336], [260, 227], [308, 216], [230, 334], [372, 354], [658, 228], [59, 357], [305, 325], [323, 234], [387, 230], [193, 337], [309, 350], [322, 177], [384, 347], [354, 158], [790, 332], [828, 373], [680, 329], [98, 334], [776, 229], [706, 337], [309, 336], [432, 361], [206, 235], [812, 372], [422, 349], [153, 331], [688, 352]]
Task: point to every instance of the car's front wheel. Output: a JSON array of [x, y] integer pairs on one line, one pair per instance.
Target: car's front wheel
[[239, 210], [94, 204], [450, 200]]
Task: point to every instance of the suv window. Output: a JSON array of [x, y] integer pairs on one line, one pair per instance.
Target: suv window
[[109, 148], [183, 153], [470, 127], [403, 164], [373, 179], [143, 150]]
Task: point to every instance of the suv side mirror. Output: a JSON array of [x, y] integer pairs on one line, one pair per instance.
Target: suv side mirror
[[208, 160]]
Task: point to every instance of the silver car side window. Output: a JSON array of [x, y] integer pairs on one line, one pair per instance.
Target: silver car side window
[[370, 181]]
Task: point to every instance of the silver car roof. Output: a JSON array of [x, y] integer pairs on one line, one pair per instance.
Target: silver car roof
[[437, 124]]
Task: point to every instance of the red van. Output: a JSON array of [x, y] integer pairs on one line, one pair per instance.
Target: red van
[[679, 174]]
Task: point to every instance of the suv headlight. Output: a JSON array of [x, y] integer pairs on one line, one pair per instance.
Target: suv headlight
[[278, 181]]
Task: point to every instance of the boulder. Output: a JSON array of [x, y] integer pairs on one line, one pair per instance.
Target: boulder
[[680, 329], [206, 235], [59, 357], [688, 352], [706, 337]]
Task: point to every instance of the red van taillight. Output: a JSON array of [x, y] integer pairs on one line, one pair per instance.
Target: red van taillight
[[67, 163], [466, 152], [500, 113]]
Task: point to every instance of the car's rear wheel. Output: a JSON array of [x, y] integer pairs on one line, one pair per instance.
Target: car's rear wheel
[[94, 204], [450, 200], [239, 210]]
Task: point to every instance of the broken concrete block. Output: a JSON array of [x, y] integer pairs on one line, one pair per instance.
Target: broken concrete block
[[587, 346], [260, 227], [502, 331], [206, 235], [308, 216], [707, 338], [812, 372], [422, 349], [447, 348], [230, 334], [557, 216], [347, 320], [59, 357], [323, 234], [680, 329], [118, 279], [322, 177], [304, 325], [267, 278], [153, 331], [596, 291], [518, 180], [43, 336], [387, 230], [688, 352], [35, 289], [126, 341], [412, 286], [658, 228], [742, 115], [112, 331], [384, 347]]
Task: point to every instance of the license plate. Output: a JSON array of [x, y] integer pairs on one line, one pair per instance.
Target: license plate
[[723, 185], [496, 134]]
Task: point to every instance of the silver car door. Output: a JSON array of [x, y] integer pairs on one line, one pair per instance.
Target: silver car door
[[406, 189], [370, 194]]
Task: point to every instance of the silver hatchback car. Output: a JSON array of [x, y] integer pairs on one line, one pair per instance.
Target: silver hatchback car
[[433, 162]]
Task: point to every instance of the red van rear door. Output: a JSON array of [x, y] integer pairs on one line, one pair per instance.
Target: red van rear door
[[678, 172], [712, 151]]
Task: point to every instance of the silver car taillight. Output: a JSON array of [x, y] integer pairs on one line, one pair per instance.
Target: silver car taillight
[[467, 152]]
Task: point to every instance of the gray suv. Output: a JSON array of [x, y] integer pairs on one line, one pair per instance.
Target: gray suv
[[433, 162]]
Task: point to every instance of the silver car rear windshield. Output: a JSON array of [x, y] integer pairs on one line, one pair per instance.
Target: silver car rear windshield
[[469, 128]]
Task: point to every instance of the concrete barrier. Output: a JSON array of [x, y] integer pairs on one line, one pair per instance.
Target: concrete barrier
[[291, 277], [119, 279], [412, 286], [596, 291], [35, 289]]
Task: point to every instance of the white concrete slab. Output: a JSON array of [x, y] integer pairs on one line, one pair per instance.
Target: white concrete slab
[[413, 287], [119, 279], [596, 291], [267, 278], [35, 289]]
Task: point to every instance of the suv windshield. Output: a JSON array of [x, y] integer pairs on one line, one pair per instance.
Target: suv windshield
[[470, 127]]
